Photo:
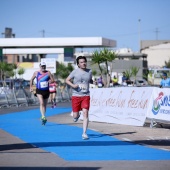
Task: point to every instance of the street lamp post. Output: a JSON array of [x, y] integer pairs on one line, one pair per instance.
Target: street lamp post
[[139, 20]]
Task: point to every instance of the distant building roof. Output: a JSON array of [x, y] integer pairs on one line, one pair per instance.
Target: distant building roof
[[124, 51], [76, 42], [148, 43], [128, 53]]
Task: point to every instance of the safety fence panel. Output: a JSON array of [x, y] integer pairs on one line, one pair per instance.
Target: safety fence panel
[[23, 97], [3, 98], [30, 97], [63, 94], [11, 98], [20, 97], [16, 98]]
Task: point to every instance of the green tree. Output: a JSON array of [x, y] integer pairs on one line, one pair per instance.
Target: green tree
[[11, 74], [148, 75], [167, 64], [63, 71], [70, 67], [5, 68], [134, 71], [94, 72], [108, 56], [128, 74], [97, 59], [15, 66], [103, 57], [20, 72]]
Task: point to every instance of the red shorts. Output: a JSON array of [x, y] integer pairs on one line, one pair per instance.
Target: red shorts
[[79, 103]]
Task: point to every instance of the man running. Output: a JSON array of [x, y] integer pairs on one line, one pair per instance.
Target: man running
[[80, 93], [43, 78]]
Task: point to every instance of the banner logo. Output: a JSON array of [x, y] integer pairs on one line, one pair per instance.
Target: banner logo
[[156, 104]]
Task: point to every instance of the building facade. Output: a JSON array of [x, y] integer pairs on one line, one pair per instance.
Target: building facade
[[158, 51]]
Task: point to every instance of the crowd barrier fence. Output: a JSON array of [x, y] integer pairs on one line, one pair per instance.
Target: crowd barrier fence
[[18, 97]]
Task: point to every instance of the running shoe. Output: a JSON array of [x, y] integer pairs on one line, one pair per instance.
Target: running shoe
[[44, 120], [84, 136], [53, 106], [76, 119]]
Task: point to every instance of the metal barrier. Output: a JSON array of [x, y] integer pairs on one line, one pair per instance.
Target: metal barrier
[[12, 98], [63, 94], [3, 98], [23, 97]]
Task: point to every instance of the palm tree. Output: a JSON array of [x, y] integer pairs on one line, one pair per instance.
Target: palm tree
[[94, 72], [128, 74], [97, 59], [104, 56], [108, 56], [148, 75], [134, 71], [167, 64]]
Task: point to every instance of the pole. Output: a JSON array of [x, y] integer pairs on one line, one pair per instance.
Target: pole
[[43, 33], [139, 20], [156, 31]]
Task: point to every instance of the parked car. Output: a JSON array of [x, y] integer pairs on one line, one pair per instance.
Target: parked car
[[140, 82]]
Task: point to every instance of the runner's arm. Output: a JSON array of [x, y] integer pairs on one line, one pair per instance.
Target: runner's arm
[[51, 77], [31, 81], [68, 81]]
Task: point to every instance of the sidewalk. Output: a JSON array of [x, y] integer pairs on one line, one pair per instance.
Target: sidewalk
[[104, 138]]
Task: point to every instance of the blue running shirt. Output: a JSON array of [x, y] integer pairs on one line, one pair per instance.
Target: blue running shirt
[[42, 81]]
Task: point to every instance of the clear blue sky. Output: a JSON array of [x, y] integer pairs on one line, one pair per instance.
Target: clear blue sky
[[114, 19]]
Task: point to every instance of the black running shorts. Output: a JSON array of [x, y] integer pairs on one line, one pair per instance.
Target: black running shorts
[[44, 93]]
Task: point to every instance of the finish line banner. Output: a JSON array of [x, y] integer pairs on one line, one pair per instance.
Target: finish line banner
[[122, 105]]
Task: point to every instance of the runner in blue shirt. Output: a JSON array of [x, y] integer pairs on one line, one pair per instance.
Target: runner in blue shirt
[[165, 82], [43, 78]]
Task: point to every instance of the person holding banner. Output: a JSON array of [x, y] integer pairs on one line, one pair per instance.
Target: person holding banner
[[81, 77], [165, 82], [43, 78], [124, 79]]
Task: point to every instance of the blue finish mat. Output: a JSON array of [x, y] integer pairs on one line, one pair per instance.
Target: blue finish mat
[[66, 141]]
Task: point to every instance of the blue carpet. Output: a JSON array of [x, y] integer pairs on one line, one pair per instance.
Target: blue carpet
[[65, 140]]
